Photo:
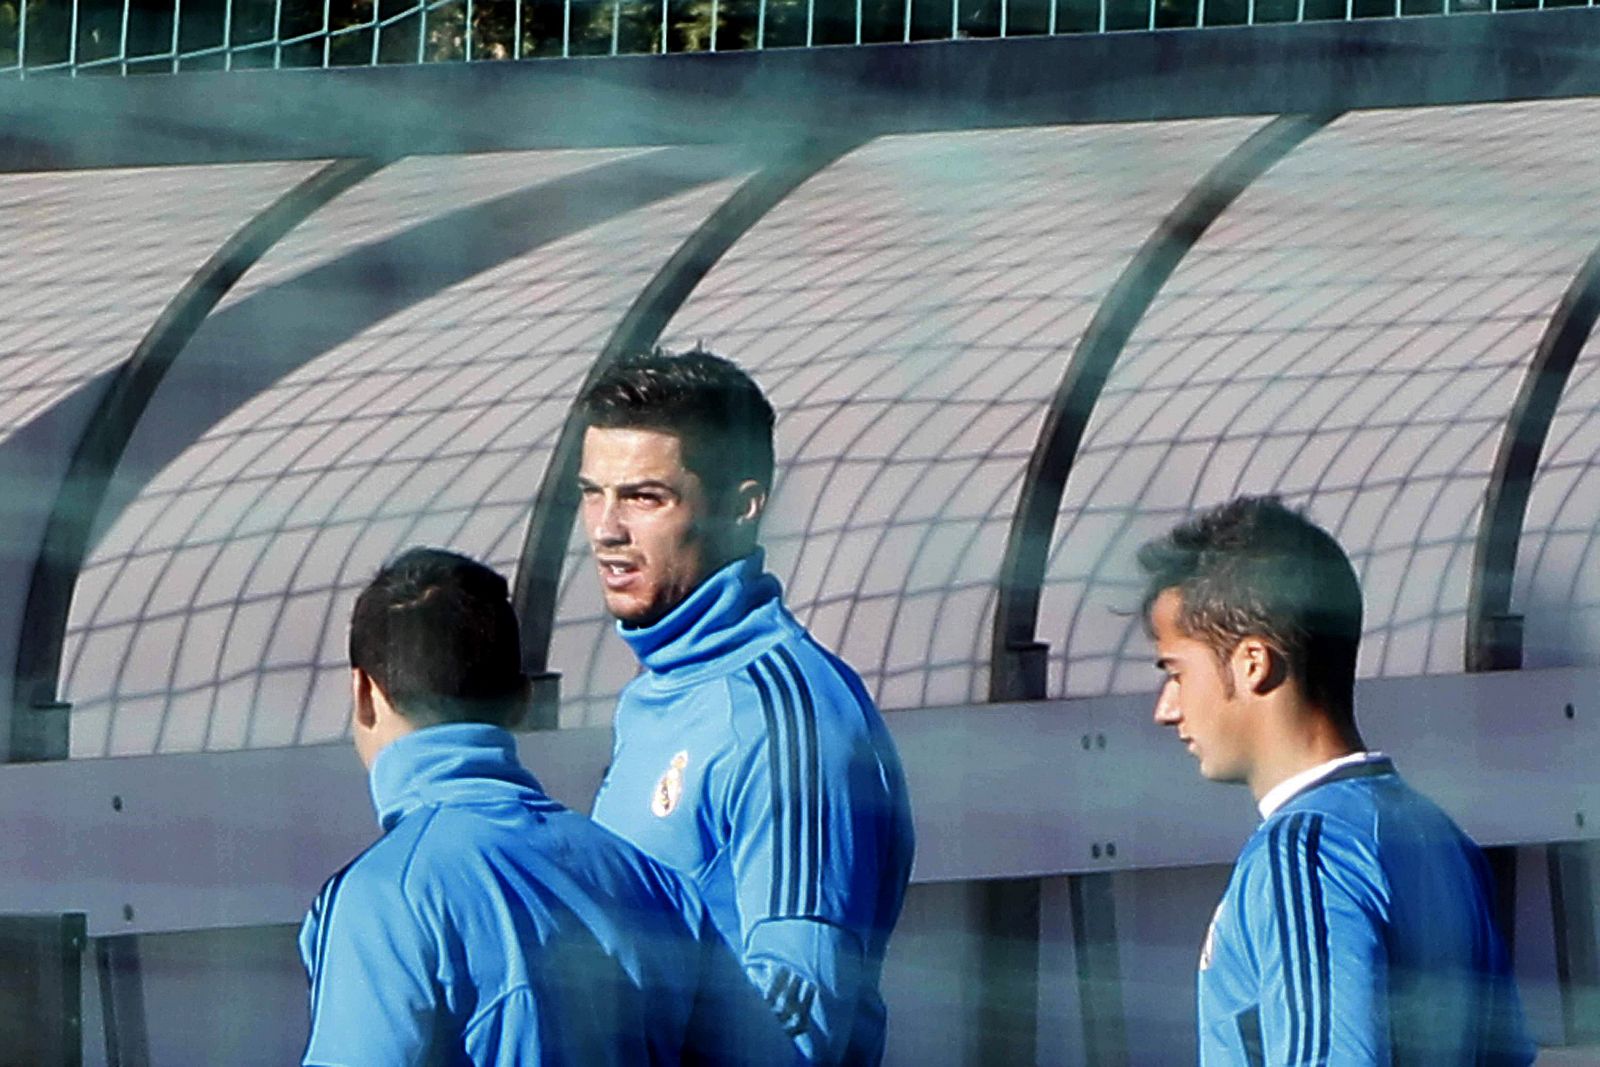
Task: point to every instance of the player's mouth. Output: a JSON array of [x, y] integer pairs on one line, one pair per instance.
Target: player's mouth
[[617, 573]]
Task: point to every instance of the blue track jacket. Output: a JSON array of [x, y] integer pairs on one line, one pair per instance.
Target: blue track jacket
[[490, 925], [1357, 929], [750, 758]]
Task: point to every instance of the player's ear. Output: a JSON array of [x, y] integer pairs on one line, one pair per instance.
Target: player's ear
[[363, 705], [1259, 667], [749, 503]]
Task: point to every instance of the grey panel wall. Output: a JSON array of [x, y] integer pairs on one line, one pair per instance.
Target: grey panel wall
[[212, 841]]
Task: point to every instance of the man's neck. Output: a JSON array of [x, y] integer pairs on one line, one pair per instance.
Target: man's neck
[[714, 560], [1299, 739]]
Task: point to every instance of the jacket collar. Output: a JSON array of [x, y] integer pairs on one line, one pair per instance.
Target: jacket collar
[[452, 762], [736, 609], [1355, 765]]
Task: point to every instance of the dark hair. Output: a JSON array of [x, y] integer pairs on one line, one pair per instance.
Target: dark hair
[[1253, 567], [714, 408], [435, 631]]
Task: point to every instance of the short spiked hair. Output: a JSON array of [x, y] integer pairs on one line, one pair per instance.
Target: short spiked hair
[[1254, 567], [713, 407]]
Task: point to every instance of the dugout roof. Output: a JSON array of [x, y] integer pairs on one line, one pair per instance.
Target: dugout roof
[[1347, 310]]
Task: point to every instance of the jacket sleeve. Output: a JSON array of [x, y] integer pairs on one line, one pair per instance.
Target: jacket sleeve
[[1315, 917], [809, 822], [371, 968], [730, 1025]]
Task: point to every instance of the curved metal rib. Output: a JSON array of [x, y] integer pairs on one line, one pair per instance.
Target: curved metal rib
[[1017, 659], [1494, 634], [38, 725], [544, 547]]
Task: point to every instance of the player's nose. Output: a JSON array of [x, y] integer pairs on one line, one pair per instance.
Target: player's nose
[[606, 528]]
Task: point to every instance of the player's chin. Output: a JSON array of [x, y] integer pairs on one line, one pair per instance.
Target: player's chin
[[626, 608], [631, 609], [1214, 772]]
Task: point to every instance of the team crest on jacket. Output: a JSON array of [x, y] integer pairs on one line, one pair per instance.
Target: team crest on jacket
[[669, 789]]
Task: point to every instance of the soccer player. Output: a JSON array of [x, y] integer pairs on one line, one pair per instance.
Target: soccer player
[[489, 925], [1357, 926], [745, 754]]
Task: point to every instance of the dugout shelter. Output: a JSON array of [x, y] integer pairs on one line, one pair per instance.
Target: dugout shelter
[[1021, 303]]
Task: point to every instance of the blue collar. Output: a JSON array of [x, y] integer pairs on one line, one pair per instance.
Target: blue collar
[[737, 610], [453, 762]]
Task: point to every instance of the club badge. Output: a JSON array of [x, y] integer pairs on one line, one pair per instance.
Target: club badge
[[669, 790]]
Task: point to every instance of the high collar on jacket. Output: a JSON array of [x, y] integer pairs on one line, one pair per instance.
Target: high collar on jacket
[[451, 763], [738, 609]]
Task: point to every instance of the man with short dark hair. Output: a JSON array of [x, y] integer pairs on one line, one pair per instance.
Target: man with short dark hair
[[1357, 927], [746, 755], [489, 925]]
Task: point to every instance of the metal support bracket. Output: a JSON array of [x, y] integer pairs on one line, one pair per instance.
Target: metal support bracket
[[122, 1001], [1094, 933], [41, 990]]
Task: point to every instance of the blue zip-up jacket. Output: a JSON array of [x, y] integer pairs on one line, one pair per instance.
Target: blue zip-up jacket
[[491, 926], [750, 758], [1358, 929]]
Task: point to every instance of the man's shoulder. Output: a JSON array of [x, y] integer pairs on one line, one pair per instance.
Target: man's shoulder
[[441, 843], [1299, 857], [389, 857], [460, 851], [796, 688], [1380, 810], [377, 877], [1322, 828], [797, 667]]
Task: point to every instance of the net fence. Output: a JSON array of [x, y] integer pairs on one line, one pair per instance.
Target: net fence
[[72, 37]]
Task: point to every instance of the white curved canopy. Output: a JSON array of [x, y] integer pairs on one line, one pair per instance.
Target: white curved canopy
[[1350, 333]]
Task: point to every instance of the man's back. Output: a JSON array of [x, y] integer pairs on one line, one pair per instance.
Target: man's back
[[1358, 928], [492, 926], [1450, 983]]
